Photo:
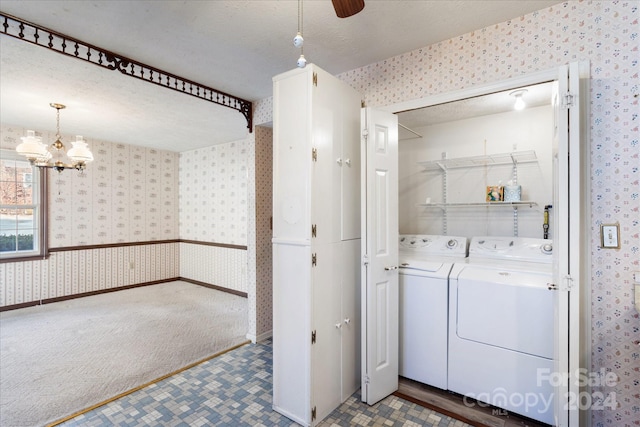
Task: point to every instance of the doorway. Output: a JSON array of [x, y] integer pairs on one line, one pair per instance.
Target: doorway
[[570, 211]]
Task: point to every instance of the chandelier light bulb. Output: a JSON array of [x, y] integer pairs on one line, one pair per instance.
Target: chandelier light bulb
[[302, 62], [298, 41]]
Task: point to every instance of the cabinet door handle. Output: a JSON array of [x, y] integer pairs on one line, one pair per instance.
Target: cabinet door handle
[[395, 267], [348, 162], [339, 161], [338, 325], [347, 321]]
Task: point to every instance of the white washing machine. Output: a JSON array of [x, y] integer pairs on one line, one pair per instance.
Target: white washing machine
[[501, 318], [425, 263]]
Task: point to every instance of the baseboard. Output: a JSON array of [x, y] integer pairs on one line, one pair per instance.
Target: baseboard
[[258, 338], [122, 288], [216, 287], [84, 294]]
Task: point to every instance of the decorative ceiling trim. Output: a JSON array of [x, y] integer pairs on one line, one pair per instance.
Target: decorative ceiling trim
[[69, 46]]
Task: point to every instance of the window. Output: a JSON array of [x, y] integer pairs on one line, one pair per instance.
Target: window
[[22, 208]]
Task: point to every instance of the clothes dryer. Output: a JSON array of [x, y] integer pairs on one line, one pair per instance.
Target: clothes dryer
[[425, 263], [501, 332]]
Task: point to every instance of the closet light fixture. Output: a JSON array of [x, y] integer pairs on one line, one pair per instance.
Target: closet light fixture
[[44, 156], [298, 40], [519, 104]]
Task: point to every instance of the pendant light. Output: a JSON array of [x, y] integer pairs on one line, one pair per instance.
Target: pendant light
[[298, 40]]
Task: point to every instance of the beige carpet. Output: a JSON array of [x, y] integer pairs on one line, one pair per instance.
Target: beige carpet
[[64, 357]]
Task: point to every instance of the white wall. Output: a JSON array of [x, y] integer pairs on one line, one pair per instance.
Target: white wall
[[530, 129]]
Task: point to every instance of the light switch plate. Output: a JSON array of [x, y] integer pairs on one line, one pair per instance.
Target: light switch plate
[[610, 236]]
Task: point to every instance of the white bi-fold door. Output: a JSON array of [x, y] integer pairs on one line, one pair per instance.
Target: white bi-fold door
[[570, 241], [380, 295]]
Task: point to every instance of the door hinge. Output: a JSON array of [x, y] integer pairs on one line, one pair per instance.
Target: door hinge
[[567, 100], [314, 260], [313, 414], [363, 104], [365, 133], [567, 283], [315, 79], [313, 337], [365, 259], [366, 379], [314, 154], [313, 230]]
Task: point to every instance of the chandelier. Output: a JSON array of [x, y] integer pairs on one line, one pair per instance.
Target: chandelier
[[44, 156]]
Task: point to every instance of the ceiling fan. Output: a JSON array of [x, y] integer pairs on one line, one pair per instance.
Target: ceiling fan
[[346, 8]]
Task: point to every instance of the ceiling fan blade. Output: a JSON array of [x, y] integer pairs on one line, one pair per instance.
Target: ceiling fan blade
[[346, 8]]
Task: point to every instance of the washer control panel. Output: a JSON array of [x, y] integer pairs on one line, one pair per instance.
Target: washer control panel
[[434, 244], [512, 248]]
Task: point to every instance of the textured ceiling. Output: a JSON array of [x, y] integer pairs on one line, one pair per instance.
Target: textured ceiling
[[233, 46], [494, 103]]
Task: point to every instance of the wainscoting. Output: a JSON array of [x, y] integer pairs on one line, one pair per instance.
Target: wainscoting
[[224, 266], [78, 271]]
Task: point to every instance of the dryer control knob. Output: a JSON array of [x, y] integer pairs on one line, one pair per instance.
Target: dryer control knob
[[452, 243], [547, 248]]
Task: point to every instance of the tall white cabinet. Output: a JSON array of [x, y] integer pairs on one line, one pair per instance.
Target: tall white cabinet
[[316, 243]]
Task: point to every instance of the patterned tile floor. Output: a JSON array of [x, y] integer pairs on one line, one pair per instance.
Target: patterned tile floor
[[235, 390]]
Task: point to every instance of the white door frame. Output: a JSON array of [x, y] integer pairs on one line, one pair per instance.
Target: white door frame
[[579, 302]]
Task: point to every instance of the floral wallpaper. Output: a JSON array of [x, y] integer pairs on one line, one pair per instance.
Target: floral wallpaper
[[263, 210]]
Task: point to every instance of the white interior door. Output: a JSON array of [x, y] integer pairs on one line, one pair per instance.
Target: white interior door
[[380, 297], [567, 219]]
